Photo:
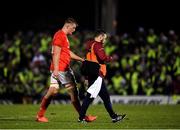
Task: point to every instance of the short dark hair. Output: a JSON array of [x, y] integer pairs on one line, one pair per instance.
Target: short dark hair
[[99, 32], [71, 20]]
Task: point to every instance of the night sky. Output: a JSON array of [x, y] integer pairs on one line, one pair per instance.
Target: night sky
[[44, 15], [158, 14]]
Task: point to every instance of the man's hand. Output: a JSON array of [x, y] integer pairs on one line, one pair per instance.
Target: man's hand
[[76, 57], [55, 74]]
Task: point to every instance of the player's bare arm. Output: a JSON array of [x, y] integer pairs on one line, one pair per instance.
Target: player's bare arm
[[76, 57], [56, 56]]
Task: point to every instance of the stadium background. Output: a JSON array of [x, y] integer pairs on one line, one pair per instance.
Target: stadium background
[[144, 39]]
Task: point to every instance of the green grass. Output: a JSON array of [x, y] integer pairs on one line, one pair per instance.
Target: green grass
[[65, 117]]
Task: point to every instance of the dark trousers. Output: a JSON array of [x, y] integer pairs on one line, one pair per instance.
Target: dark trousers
[[104, 95]]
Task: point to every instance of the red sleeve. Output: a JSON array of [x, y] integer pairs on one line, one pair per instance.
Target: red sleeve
[[58, 40], [100, 53]]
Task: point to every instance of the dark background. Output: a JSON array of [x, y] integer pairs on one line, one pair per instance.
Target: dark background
[[49, 15], [161, 15]]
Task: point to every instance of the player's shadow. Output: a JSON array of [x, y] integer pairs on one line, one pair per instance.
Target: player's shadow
[[99, 121], [107, 122]]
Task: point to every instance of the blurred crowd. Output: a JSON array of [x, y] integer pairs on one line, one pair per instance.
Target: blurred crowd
[[145, 62]]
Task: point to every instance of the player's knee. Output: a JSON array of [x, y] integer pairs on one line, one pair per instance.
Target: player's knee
[[53, 90], [73, 92], [54, 85], [69, 87]]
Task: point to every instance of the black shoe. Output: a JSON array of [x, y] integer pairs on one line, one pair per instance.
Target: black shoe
[[118, 118]]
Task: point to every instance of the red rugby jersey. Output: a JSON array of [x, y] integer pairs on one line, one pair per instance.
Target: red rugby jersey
[[60, 39]]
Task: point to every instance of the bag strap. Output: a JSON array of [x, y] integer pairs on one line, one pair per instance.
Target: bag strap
[[92, 53]]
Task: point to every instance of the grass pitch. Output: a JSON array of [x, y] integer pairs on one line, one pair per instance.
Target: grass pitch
[[65, 117]]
